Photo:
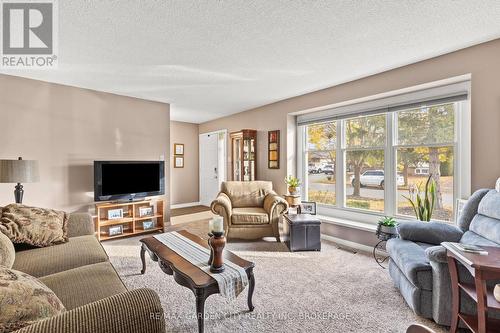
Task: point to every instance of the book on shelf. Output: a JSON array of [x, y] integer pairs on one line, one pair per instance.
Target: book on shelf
[[469, 248]]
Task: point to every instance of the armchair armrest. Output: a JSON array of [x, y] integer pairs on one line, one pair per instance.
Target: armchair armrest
[[134, 311], [429, 232], [437, 254], [80, 224], [274, 205], [222, 206]]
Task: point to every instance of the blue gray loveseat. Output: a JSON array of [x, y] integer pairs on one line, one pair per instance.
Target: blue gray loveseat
[[418, 264]]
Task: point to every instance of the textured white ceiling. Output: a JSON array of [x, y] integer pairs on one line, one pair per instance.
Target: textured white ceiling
[[213, 58]]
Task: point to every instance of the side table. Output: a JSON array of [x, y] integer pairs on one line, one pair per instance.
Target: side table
[[482, 268]]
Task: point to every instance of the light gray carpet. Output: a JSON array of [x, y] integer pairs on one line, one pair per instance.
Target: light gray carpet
[[331, 291]]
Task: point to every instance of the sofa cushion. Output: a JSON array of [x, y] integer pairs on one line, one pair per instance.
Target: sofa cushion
[[25, 300], [412, 261], [247, 194], [86, 284], [486, 227], [79, 251], [250, 215], [490, 205], [429, 232], [34, 226], [471, 237], [7, 251], [470, 209]]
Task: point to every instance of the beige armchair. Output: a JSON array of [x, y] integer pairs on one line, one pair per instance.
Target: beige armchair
[[250, 209]]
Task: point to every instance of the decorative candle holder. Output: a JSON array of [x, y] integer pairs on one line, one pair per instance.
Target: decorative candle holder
[[210, 235], [217, 244]]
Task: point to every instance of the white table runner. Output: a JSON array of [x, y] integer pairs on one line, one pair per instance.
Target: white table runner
[[232, 281]]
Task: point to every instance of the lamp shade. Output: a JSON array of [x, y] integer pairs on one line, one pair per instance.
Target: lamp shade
[[18, 171]]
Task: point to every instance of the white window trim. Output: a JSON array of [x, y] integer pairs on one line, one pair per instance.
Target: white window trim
[[462, 160]]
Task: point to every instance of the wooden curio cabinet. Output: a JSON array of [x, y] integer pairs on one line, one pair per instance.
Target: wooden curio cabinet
[[244, 155]]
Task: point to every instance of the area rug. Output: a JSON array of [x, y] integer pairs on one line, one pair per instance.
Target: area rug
[[334, 290]]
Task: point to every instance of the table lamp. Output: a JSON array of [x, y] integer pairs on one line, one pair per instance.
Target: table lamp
[[18, 171]]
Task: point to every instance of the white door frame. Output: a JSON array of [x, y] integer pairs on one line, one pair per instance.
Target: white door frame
[[224, 158]]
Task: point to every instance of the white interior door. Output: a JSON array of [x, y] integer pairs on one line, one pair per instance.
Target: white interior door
[[212, 165]]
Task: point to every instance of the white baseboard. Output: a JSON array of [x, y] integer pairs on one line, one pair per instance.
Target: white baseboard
[[184, 205], [347, 243]]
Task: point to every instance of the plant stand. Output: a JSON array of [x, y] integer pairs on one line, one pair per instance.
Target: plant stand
[[380, 247]]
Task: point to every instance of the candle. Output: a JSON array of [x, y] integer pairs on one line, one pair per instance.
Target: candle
[[211, 225], [217, 224]]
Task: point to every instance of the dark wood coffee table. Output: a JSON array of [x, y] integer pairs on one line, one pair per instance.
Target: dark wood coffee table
[[188, 275]]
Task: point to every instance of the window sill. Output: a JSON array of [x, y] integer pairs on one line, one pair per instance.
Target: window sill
[[365, 226]]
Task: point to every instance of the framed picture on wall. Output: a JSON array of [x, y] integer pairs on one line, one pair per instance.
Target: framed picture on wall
[[178, 161], [273, 148], [178, 149]]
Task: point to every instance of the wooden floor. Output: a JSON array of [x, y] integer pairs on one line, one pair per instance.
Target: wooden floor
[[188, 210]]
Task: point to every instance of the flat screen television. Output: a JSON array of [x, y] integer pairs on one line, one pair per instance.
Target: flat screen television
[[128, 180]]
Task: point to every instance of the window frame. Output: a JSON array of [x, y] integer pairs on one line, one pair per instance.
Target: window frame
[[461, 176]]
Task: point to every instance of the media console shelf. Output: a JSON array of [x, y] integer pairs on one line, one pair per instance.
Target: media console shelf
[[130, 219]]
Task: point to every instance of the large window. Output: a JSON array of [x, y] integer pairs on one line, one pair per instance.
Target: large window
[[371, 163]]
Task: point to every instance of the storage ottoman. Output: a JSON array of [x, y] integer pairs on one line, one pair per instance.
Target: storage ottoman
[[302, 232]]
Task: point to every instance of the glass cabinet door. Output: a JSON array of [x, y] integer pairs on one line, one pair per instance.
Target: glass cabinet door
[[237, 159], [244, 152]]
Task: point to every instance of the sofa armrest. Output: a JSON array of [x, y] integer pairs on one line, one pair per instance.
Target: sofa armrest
[[429, 232], [275, 205], [133, 311], [80, 224], [436, 254], [222, 206]]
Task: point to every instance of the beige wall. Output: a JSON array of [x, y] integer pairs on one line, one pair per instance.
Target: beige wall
[[482, 61], [66, 129], [185, 181]]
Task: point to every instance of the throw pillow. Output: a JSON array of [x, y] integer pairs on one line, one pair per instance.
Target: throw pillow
[[7, 251], [34, 226], [25, 300]]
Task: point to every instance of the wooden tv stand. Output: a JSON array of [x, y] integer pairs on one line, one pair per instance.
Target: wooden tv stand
[[131, 222]]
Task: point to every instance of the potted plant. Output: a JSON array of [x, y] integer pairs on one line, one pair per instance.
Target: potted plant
[[388, 225], [423, 203], [293, 184]]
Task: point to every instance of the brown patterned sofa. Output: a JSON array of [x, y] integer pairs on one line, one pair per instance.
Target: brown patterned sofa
[[82, 277], [250, 209]]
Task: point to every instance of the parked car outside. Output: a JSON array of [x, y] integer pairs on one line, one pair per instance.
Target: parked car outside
[[329, 169], [313, 169], [376, 178]]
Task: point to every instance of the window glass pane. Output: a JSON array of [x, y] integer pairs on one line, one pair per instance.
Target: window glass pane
[[415, 165], [321, 177], [366, 131], [364, 188], [322, 136], [321, 161], [435, 124]]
